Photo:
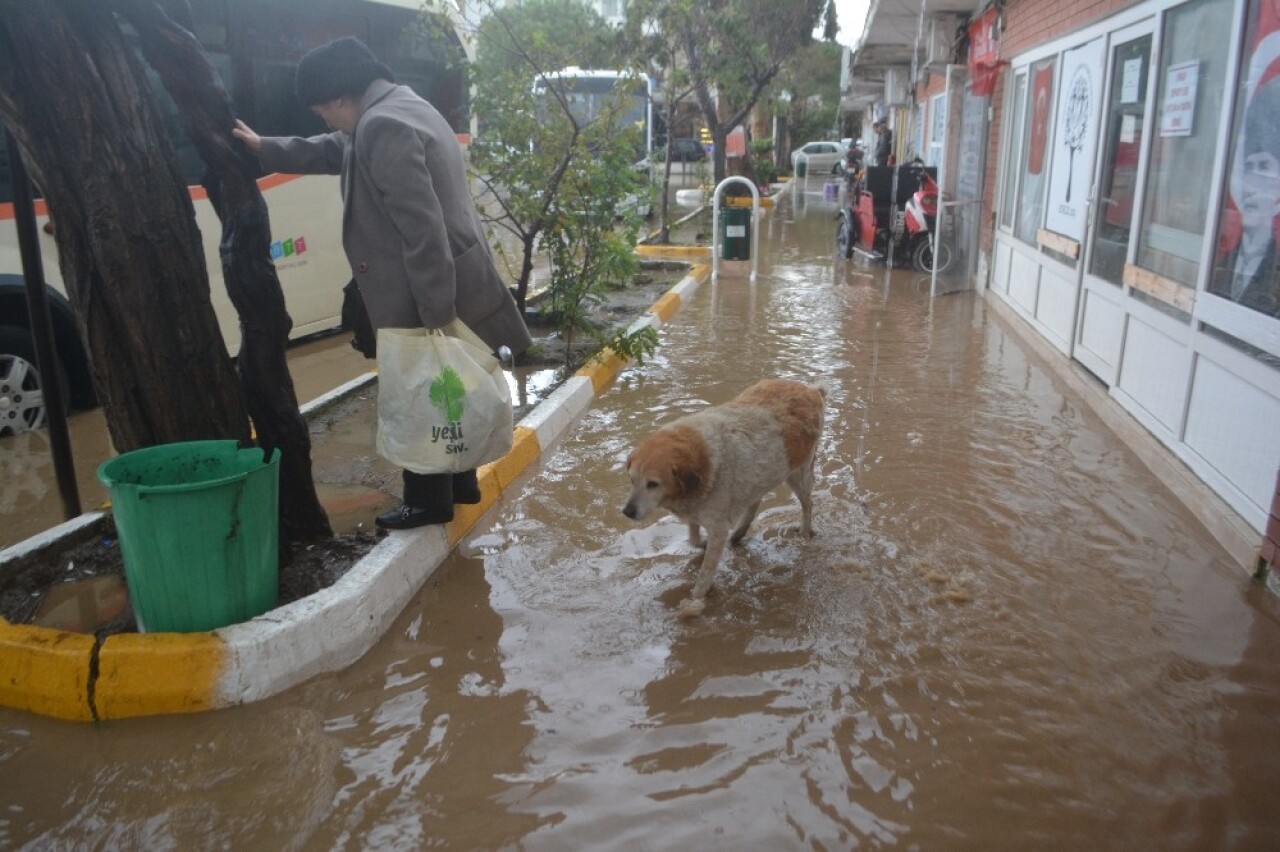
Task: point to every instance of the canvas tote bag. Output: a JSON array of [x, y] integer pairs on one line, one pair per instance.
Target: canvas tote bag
[[443, 402]]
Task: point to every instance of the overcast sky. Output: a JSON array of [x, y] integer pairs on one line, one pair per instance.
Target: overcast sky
[[851, 15]]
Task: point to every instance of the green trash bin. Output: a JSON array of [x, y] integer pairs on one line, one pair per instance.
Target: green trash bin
[[198, 526], [802, 167], [735, 233]]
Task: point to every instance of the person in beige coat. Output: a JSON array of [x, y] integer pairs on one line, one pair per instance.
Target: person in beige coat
[[410, 227]]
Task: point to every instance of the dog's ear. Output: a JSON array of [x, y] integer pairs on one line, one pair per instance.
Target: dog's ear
[[690, 482]]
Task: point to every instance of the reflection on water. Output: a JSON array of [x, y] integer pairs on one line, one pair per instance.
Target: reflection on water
[[1006, 633]]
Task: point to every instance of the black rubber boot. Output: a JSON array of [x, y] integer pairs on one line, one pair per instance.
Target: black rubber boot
[[466, 488], [428, 499]]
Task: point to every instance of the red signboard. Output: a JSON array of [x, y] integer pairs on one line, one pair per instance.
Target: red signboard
[[984, 51]]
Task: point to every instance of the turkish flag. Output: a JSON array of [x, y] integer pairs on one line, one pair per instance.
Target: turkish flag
[[1041, 100]]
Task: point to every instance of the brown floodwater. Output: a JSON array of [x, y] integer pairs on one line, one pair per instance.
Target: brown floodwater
[[1005, 634]]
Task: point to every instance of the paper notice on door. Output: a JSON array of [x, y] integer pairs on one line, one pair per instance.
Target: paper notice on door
[[1130, 81], [1128, 129]]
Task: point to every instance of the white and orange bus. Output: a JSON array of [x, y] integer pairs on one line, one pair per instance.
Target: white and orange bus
[[255, 46]]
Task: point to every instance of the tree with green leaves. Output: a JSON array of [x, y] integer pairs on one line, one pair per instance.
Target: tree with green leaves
[[731, 50], [657, 51], [558, 177], [812, 75]]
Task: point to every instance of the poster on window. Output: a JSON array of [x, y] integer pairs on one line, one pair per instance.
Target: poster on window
[[1074, 138], [1041, 92], [1245, 270]]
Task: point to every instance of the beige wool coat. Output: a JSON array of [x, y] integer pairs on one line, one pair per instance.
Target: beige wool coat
[[409, 227]]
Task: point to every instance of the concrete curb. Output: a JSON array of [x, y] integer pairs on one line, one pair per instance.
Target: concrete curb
[[79, 677]]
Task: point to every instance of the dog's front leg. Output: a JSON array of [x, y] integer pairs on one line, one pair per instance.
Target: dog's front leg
[[695, 535], [694, 604]]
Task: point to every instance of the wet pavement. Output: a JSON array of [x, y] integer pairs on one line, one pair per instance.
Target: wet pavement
[[1005, 634]]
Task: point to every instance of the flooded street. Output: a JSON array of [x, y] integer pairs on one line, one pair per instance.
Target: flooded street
[[1006, 633]]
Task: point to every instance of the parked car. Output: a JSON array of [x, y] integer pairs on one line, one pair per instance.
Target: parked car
[[683, 150], [823, 158]]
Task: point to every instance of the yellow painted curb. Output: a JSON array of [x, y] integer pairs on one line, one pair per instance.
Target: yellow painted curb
[[144, 674], [525, 450], [673, 252], [666, 307], [45, 671], [603, 369]]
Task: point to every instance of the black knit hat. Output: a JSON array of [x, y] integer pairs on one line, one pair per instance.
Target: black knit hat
[[338, 69]]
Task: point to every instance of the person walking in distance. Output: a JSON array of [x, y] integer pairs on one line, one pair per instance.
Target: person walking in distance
[[410, 228], [884, 143]]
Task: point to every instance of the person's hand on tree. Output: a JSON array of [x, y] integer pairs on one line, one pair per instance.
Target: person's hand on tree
[[245, 134]]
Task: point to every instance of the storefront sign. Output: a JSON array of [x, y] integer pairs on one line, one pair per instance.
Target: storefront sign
[[1075, 138], [1178, 112], [984, 52]]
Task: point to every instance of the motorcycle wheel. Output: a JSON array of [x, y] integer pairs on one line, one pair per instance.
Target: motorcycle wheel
[[844, 238], [922, 255]]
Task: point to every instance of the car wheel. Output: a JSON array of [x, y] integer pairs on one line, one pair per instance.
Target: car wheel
[[22, 399]]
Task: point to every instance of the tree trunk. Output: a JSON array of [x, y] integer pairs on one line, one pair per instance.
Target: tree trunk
[[128, 245], [75, 98], [244, 249]]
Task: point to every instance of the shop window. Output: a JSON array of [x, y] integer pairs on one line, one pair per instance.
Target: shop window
[[1190, 79], [1034, 162], [1125, 123], [937, 131], [1016, 106], [917, 136], [1245, 264]]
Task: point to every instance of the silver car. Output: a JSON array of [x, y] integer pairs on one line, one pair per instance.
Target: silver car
[[822, 157]]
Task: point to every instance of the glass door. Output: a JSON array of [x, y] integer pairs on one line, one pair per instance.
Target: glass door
[[1113, 208]]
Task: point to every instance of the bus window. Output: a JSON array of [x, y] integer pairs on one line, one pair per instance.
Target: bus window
[[590, 93], [193, 167], [276, 108]]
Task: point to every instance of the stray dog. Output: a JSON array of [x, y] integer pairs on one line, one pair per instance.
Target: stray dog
[[711, 469]]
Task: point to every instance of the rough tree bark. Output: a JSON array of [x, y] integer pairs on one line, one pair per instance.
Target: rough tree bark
[[74, 96], [244, 249], [128, 245]]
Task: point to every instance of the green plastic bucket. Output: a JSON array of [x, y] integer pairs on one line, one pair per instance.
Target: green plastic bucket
[[198, 532]]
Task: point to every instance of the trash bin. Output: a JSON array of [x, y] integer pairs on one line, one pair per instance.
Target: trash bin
[[802, 167], [735, 233], [198, 532]]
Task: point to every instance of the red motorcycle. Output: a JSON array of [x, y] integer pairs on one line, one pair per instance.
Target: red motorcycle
[[893, 212]]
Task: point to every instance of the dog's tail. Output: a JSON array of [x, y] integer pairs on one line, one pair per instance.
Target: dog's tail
[[822, 386]]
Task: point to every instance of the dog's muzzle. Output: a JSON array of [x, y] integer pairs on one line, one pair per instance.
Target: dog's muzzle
[[629, 510]]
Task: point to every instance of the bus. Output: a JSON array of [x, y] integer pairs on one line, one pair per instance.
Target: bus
[[590, 92], [255, 46]]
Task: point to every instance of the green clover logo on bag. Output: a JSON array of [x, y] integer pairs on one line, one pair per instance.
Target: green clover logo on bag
[[449, 395]]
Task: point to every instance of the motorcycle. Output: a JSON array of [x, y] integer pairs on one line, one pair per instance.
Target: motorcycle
[[879, 222]]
